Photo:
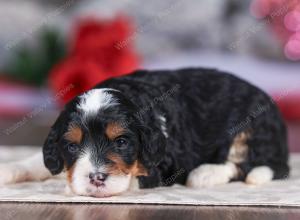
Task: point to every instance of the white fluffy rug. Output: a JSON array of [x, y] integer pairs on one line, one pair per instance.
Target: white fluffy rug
[[276, 193]]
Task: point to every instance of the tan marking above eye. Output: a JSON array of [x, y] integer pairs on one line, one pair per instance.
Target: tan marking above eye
[[239, 149], [74, 134], [120, 167], [114, 130]]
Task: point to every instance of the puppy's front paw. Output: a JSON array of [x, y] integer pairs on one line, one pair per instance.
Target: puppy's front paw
[[11, 173], [6, 176], [208, 175]]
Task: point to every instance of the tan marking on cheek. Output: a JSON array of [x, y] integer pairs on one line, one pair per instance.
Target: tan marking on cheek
[[114, 130], [138, 169], [74, 134], [120, 167], [239, 149], [70, 173]]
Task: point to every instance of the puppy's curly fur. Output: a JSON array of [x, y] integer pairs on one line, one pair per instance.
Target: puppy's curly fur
[[183, 119]]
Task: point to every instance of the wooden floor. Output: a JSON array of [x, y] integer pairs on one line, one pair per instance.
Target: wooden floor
[[21, 211]]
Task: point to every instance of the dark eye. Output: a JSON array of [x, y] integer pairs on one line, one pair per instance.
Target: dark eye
[[121, 142], [73, 148]]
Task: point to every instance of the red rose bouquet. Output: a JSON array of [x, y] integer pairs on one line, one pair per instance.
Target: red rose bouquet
[[94, 56]]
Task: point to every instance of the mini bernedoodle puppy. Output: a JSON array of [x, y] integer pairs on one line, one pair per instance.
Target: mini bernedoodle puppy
[[141, 130]]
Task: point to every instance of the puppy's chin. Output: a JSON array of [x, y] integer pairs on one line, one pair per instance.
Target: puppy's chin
[[113, 185]]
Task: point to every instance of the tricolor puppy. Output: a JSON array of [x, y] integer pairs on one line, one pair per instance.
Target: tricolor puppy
[[198, 127]]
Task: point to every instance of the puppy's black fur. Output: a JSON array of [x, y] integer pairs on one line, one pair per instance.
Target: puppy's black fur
[[178, 120]]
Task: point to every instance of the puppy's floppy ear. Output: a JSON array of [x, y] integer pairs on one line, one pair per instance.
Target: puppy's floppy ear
[[153, 144], [52, 156]]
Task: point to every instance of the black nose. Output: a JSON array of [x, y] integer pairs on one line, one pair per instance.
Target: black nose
[[97, 178]]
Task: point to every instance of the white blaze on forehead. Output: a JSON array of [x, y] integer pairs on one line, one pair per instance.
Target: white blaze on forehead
[[96, 99]]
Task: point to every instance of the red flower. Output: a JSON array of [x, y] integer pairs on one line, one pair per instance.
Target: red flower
[[95, 55]]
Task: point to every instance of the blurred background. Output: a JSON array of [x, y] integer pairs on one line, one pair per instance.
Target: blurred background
[[51, 51]]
